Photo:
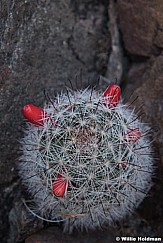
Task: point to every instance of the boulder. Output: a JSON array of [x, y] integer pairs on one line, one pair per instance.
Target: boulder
[[141, 25]]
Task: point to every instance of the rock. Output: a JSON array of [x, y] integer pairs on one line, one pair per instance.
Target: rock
[[116, 58], [22, 223], [159, 38], [55, 235], [87, 35], [150, 94], [140, 21], [134, 77]]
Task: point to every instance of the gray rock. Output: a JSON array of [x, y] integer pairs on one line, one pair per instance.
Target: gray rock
[[55, 235]]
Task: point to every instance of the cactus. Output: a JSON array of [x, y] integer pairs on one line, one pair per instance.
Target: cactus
[[86, 159]]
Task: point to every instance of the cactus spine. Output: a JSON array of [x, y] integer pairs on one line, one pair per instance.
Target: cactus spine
[[85, 159]]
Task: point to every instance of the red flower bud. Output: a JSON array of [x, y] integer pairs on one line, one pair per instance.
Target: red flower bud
[[133, 135], [60, 186], [111, 96], [35, 115]]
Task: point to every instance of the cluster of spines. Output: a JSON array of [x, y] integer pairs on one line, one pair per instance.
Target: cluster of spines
[[38, 117]]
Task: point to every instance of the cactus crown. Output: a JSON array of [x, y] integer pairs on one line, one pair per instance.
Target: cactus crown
[[85, 158]]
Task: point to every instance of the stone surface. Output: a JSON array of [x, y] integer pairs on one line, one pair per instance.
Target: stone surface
[[159, 38], [134, 77], [55, 235], [116, 58], [150, 94], [140, 23], [22, 223]]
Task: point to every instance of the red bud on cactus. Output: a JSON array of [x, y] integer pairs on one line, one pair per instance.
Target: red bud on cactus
[[111, 96], [60, 186], [133, 135], [35, 115]]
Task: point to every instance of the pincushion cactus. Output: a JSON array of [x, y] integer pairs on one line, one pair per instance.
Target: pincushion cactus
[[85, 159]]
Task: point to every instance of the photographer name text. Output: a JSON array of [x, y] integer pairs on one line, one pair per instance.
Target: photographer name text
[[138, 239]]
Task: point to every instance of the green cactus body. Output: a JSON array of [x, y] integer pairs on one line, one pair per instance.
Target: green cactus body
[[87, 169]]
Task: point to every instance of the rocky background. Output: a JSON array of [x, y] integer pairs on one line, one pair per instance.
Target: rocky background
[[45, 42]]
